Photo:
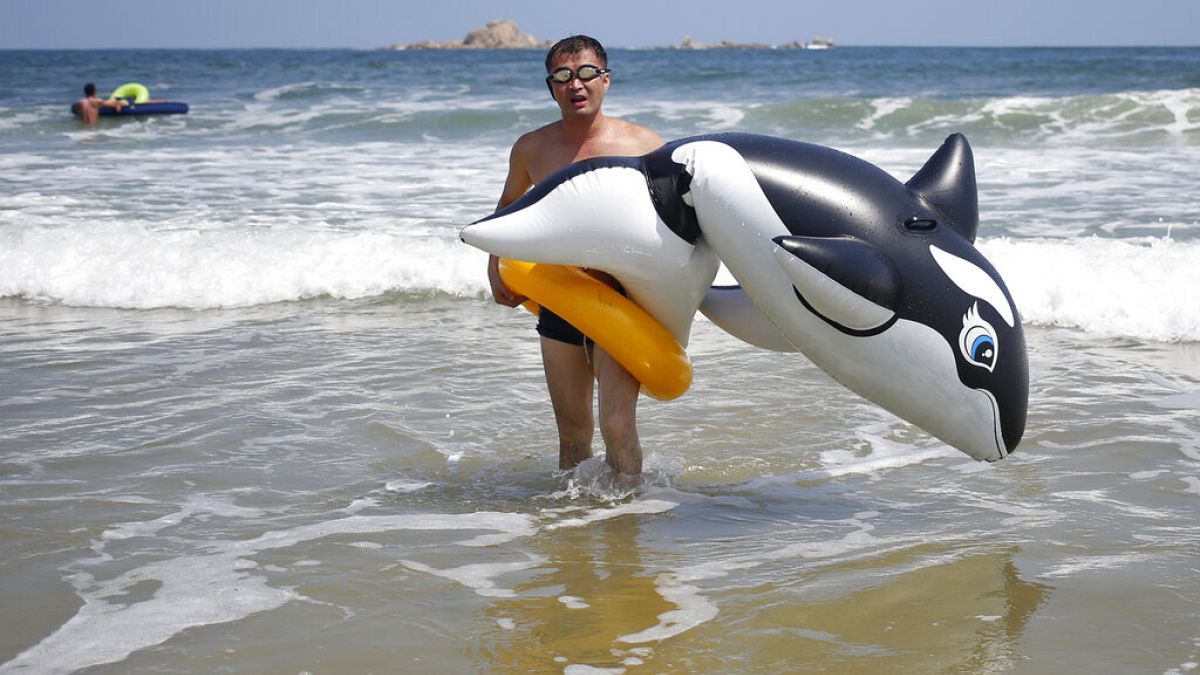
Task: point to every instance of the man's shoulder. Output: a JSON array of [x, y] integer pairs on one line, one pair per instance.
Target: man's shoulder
[[627, 126], [541, 135], [642, 138]]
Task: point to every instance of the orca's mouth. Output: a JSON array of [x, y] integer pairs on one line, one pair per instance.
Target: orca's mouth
[[1001, 447]]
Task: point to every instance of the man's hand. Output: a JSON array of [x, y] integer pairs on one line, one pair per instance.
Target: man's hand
[[500, 292]]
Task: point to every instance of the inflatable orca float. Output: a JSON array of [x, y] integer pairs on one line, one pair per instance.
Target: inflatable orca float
[[876, 281]]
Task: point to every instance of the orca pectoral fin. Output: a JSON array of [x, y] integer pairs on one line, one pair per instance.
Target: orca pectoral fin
[[845, 281]]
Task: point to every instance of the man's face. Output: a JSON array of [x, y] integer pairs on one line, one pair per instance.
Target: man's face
[[578, 98]]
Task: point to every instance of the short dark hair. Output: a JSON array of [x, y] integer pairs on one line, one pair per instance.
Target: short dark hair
[[89, 89], [576, 44]]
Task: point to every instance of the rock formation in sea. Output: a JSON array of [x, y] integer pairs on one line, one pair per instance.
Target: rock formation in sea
[[504, 34], [689, 43], [497, 34]]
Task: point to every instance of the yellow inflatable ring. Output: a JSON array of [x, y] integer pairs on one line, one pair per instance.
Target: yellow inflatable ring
[[139, 93], [627, 332]]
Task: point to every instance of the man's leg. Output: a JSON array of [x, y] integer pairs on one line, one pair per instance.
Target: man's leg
[[569, 377], [618, 414]]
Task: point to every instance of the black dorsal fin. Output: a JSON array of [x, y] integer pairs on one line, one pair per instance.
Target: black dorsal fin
[[947, 183]]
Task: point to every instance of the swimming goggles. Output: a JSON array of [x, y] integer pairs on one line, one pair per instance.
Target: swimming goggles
[[585, 74]]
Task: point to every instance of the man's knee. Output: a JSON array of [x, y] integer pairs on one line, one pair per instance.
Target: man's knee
[[575, 427], [618, 426]]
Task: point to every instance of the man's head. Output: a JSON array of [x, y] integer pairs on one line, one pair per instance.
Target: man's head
[[577, 75], [574, 45], [89, 89]]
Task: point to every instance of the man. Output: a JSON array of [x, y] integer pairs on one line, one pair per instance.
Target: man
[[88, 107], [578, 77]]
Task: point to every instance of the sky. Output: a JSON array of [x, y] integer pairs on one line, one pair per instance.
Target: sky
[[367, 24]]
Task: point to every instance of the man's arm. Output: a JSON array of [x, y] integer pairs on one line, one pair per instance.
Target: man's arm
[[515, 185]]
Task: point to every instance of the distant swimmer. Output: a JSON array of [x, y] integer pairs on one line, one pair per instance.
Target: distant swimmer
[[88, 107]]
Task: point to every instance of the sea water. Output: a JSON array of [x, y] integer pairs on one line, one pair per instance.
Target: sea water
[[259, 414]]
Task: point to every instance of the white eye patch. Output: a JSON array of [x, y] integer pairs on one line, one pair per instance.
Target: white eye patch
[[974, 281]]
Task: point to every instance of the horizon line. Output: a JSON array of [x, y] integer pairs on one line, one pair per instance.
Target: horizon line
[[736, 47]]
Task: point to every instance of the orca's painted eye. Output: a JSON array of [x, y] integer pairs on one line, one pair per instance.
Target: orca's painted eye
[[977, 341], [981, 347]]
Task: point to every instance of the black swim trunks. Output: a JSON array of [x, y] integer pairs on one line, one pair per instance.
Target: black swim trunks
[[553, 326]]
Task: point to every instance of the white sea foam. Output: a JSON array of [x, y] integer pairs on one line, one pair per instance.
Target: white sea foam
[[885, 454], [196, 506], [17, 120], [1145, 288], [583, 669], [881, 108], [1168, 114], [130, 266], [698, 117], [692, 608], [406, 485], [1192, 484], [480, 577], [641, 506], [573, 602], [1075, 565]]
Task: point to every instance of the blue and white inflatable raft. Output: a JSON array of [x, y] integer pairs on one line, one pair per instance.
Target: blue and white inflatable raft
[[140, 109]]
